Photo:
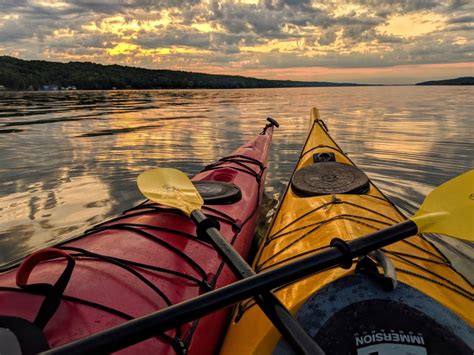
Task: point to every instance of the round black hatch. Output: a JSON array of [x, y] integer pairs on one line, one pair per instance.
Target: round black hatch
[[326, 178], [217, 192]]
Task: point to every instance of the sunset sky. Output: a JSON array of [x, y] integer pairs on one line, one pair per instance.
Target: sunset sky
[[365, 41]]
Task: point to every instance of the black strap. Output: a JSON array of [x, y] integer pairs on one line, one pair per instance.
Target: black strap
[[52, 293]]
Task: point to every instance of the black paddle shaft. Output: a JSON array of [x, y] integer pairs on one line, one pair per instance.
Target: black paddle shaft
[[287, 325], [142, 328]]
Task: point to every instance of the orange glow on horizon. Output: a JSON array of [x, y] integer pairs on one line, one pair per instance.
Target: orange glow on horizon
[[360, 75]]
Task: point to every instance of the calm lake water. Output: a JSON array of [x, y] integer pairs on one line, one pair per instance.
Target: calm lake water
[[70, 159]]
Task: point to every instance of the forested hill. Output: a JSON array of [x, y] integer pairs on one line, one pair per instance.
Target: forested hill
[[17, 74], [466, 80]]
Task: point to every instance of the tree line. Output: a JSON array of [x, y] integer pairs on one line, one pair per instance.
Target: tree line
[[17, 74], [465, 80]]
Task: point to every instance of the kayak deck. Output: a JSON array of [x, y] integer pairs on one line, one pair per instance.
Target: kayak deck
[[307, 224]]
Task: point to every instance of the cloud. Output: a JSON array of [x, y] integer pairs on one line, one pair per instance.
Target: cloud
[[399, 6], [110, 7], [10, 31], [462, 19], [262, 34], [173, 37]]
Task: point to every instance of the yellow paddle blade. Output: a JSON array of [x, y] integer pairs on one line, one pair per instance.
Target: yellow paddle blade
[[170, 187], [449, 209]]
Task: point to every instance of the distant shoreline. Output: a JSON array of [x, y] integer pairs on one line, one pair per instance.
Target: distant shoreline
[[465, 80], [243, 88], [38, 75]]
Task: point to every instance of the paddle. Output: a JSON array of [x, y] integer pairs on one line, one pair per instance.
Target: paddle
[[172, 188], [444, 210]]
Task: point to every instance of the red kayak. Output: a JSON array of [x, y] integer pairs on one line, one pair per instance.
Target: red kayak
[[143, 261]]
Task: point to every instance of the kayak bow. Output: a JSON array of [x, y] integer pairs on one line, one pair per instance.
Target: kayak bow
[[143, 261]]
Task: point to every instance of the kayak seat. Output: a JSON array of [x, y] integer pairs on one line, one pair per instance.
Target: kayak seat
[[355, 315], [329, 177]]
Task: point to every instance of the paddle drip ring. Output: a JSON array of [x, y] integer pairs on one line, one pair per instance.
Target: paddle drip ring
[[217, 192]]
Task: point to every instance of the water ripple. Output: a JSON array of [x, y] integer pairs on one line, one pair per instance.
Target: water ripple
[[70, 159]]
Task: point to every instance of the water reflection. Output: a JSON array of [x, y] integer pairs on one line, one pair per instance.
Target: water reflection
[[66, 207], [70, 159]]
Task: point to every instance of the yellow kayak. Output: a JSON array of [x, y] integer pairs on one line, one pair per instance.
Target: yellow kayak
[[405, 298]]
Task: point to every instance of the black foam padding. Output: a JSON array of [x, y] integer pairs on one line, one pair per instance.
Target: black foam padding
[[18, 332], [327, 178], [217, 192]]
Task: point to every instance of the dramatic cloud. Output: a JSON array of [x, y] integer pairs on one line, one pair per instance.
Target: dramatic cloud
[[243, 37]]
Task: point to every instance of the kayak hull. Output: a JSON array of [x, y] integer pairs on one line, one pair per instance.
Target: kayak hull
[[305, 224], [111, 283]]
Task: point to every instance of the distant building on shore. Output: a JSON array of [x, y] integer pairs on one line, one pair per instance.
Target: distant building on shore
[[2, 87], [50, 87]]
